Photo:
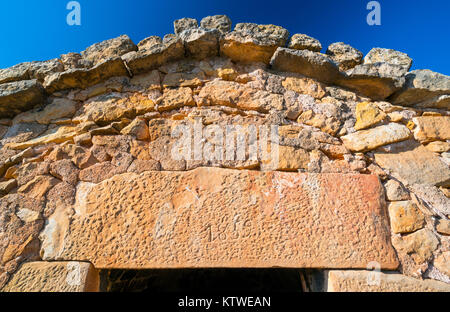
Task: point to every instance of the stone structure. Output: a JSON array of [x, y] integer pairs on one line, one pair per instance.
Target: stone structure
[[225, 148]]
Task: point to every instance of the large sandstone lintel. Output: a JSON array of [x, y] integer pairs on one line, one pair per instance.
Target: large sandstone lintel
[[370, 281], [212, 217]]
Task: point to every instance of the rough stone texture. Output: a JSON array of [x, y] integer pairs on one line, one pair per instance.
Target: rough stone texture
[[57, 109], [220, 22], [111, 48], [367, 140], [20, 224], [15, 73], [442, 263], [414, 164], [183, 24], [344, 55], [242, 218], [405, 217], [149, 42], [83, 78], [420, 245], [432, 128], [395, 191], [422, 89], [54, 277], [358, 281], [237, 95], [253, 43], [16, 97], [304, 42], [377, 81], [201, 43], [308, 63], [367, 115], [443, 227], [380, 55], [145, 60]]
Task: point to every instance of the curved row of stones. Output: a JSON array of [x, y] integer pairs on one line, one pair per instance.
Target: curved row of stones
[[73, 122]]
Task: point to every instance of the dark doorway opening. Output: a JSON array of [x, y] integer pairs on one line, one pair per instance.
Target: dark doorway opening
[[203, 280]]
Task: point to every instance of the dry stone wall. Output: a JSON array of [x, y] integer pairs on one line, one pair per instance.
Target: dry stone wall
[[119, 157]]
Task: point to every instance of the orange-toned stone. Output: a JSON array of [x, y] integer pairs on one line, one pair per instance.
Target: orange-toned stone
[[212, 217], [54, 277], [369, 281]]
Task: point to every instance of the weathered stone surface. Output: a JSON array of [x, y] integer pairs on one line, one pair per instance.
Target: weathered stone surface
[[175, 98], [405, 217], [307, 63], [183, 24], [443, 227], [55, 135], [442, 263], [234, 94], [422, 89], [65, 170], [74, 60], [138, 128], [305, 86], [304, 42], [16, 97], [158, 54], [15, 73], [435, 202], [83, 78], [149, 42], [365, 281], [292, 159], [253, 43], [7, 186], [38, 187], [379, 55], [413, 164], [395, 191], [344, 55], [420, 245], [367, 140], [20, 224], [220, 22], [367, 115], [58, 108], [111, 48], [438, 147], [432, 128], [377, 81], [54, 277], [201, 43], [248, 218]]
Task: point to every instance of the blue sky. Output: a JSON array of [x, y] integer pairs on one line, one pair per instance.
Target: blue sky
[[37, 30]]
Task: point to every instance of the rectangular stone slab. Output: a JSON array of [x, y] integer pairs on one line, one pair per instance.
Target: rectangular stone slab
[[212, 217]]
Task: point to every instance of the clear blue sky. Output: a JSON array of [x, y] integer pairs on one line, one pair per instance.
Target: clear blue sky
[[37, 30]]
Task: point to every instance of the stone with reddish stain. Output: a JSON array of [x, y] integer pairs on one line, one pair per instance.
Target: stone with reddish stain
[[38, 187], [62, 194], [97, 172], [65, 170], [212, 217], [20, 224], [142, 165]]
